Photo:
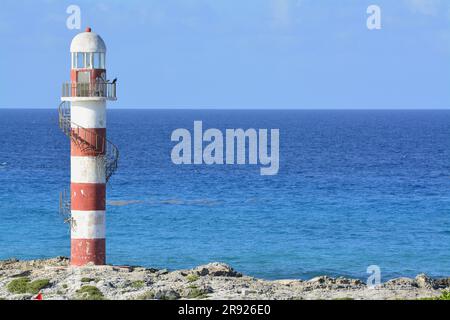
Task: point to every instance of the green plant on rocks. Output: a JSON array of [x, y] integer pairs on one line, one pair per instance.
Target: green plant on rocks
[[192, 277], [148, 295], [24, 285], [138, 284], [196, 293], [36, 286], [86, 280], [89, 293], [18, 285], [445, 295]]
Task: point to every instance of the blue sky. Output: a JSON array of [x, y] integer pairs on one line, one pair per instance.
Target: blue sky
[[278, 54]]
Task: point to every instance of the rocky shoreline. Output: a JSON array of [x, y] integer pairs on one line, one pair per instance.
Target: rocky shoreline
[[56, 280]]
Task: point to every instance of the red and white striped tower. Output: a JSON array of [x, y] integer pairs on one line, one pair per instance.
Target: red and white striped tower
[[88, 92]]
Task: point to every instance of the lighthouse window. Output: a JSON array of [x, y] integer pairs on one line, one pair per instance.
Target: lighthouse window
[[99, 60], [96, 64], [80, 60], [102, 60], [89, 60]]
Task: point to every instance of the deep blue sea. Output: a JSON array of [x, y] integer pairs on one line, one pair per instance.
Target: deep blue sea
[[355, 188]]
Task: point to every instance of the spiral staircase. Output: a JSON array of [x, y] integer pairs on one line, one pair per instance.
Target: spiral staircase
[[86, 140]]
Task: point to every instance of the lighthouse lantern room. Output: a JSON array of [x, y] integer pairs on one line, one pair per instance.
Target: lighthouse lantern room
[[82, 117]]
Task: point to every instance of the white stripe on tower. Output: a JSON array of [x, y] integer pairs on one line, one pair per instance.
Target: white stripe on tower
[[87, 169], [89, 114], [89, 225]]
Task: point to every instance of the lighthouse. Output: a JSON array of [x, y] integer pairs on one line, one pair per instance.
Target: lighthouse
[[93, 160]]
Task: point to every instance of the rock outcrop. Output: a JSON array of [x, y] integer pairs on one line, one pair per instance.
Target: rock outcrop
[[56, 280]]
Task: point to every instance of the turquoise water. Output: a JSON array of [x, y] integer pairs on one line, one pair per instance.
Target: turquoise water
[[355, 188]]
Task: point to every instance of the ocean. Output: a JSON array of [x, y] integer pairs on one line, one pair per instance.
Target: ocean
[[354, 189]]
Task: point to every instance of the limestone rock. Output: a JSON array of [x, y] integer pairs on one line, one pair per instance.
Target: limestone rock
[[216, 281], [400, 283], [216, 269], [443, 283], [166, 294], [423, 281]]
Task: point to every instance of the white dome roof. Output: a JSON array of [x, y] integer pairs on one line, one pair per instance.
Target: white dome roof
[[88, 42]]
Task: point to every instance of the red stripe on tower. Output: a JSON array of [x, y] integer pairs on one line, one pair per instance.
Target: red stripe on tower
[[88, 196], [86, 251], [90, 142]]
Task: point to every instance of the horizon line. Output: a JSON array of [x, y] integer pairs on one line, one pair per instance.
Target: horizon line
[[242, 109]]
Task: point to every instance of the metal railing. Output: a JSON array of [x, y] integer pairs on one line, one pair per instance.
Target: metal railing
[[87, 90], [65, 207], [89, 141]]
